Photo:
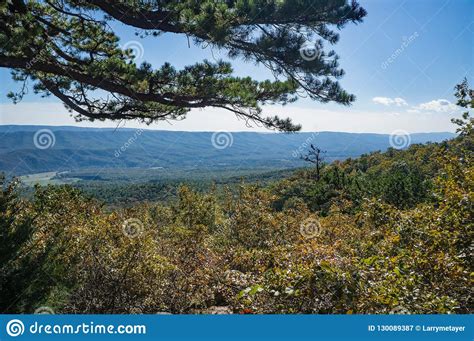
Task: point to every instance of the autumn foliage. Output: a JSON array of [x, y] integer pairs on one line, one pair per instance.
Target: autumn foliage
[[386, 233]]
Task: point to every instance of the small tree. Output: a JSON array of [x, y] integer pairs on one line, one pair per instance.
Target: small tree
[[315, 156], [465, 98]]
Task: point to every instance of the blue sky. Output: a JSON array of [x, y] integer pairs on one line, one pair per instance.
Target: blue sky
[[402, 63]]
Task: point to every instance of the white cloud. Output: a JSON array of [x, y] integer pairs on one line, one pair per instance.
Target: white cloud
[[438, 105], [390, 101]]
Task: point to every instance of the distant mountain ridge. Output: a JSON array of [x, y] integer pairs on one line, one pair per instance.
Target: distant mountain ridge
[[34, 149]]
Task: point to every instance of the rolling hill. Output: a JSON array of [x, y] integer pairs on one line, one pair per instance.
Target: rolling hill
[[34, 149]]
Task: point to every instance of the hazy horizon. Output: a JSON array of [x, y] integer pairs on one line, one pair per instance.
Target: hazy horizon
[[145, 127]]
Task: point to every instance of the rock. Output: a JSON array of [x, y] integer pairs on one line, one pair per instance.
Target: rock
[[237, 278], [215, 310]]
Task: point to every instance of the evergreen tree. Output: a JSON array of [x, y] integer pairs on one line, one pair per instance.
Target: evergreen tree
[[66, 48]]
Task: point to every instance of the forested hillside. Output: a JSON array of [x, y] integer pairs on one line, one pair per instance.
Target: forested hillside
[[34, 149], [384, 233]]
